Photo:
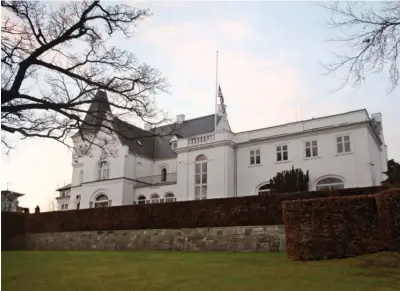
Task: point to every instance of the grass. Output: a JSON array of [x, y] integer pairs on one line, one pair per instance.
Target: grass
[[193, 271]]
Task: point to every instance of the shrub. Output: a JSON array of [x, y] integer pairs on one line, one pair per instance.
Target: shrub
[[334, 227], [388, 205], [250, 210], [12, 224], [293, 180]]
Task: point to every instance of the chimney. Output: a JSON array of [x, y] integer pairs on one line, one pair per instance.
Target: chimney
[[37, 209], [180, 118], [147, 126]]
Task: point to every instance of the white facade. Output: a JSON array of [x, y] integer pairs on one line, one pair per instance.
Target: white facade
[[347, 148], [9, 201]]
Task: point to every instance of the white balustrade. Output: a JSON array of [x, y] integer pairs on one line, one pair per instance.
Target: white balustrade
[[201, 139]]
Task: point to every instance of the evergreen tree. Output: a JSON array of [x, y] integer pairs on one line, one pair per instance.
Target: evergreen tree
[[293, 180]]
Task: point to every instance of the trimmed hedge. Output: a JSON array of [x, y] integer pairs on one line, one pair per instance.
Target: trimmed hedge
[[388, 205], [12, 224], [250, 210], [333, 227]]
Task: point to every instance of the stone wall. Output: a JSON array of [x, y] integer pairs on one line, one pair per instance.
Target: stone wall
[[239, 238]]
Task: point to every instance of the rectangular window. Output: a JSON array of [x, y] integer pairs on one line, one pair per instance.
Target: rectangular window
[[311, 148], [255, 157], [200, 189], [343, 144], [282, 153]]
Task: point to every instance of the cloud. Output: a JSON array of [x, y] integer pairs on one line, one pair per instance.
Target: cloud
[[259, 90]]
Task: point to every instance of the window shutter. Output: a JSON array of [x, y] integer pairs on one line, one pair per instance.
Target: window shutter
[[109, 203], [90, 204]]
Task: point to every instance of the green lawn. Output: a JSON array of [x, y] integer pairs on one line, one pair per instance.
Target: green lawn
[[193, 271]]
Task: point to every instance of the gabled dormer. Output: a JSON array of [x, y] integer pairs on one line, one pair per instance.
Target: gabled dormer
[[174, 141]]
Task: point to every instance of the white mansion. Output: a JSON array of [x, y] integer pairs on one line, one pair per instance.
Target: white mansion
[[202, 162]]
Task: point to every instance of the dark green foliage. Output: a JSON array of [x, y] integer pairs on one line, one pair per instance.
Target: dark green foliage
[[287, 181], [393, 173]]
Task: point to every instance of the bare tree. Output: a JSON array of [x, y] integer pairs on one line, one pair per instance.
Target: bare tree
[[52, 204], [54, 61], [372, 34]]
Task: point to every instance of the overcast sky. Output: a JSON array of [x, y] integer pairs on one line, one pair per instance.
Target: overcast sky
[[270, 56]]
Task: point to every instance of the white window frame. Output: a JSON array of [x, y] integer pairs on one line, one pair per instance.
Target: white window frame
[[254, 153], [200, 187], [155, 198], [281, 151], [96, 202], [260, 192], [161, 174], [168, 198], [103, 170], [343, 143], [311, 146], [329, 185], [80, 177], [140, 200]]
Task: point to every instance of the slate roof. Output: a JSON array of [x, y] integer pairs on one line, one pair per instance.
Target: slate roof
[[66, 187], [96, 112], [8, 192], [154, 143]]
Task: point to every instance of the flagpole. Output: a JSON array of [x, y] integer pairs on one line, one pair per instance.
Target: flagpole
[[216, 94]]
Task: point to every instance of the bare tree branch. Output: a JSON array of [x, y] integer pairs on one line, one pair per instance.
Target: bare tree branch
[[373, 36], [55, 60]]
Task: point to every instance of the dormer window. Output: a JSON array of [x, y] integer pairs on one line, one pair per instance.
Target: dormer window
[[174, 142]]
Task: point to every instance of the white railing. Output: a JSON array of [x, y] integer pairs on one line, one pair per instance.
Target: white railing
[[201, 139], [155, 201]]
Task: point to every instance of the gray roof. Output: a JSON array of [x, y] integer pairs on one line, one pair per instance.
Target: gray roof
[[96, 112], [66, 187], [188, 128], [8, 192], [154, 143]]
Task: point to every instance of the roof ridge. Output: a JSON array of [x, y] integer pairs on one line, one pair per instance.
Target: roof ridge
[[187, 120], [304, 120]]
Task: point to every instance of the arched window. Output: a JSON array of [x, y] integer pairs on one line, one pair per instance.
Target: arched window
[[163, 175], [81, 177], [169, 197], [155, 198], [200, 178], [103, 170], [264, 189], [141, 199], [102, 201], [330, 183]]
